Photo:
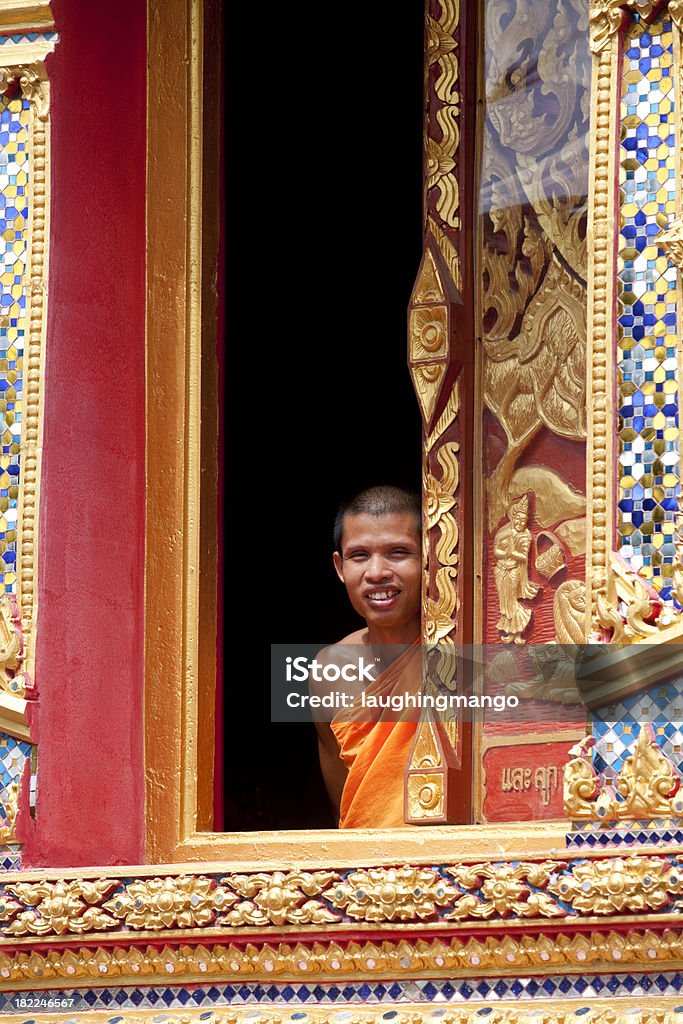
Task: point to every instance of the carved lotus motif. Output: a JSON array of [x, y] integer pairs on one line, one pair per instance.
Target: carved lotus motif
[[437, 623], [61, 907], [183, 902], [616, 884], [281, 898], [392, 894], [504, 889], [438, 500]]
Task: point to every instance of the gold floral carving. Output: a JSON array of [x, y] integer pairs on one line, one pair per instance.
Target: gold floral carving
[[281, 898], [186, 901], [426, 792], [617, 884], [648, 781], [330, 959], [506, 890], [647, 786], [627, 609], [495, 891], [60, 907], [392, 894], [425, 783], [443, 133], [581, 782], [428, 334], [440, 499]]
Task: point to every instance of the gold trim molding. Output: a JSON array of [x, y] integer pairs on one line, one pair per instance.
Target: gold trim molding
[[331, 960], [601, 227]]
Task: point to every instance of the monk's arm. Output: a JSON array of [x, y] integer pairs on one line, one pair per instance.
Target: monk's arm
[[333, 768]]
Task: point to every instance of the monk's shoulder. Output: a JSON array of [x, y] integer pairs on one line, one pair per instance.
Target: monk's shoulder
[[336, 652]]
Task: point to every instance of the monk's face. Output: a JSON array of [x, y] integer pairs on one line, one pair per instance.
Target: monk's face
[[380, 565]]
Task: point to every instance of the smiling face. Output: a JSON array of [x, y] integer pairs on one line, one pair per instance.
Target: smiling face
[[380, 564]]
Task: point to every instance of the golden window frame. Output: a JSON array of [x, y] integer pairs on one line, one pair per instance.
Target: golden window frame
[[179, 697]]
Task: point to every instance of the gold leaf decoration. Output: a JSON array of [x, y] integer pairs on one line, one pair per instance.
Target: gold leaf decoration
[[281, 898], [505, 890], [619, 884], [392, 894], [60, 907], [185, 901]]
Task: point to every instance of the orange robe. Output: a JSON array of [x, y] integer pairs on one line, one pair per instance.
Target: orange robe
[[375, 744]]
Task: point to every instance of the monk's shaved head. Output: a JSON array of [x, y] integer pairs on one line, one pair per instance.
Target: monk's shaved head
[[378, 501]]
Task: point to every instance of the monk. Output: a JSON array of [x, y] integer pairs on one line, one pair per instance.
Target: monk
[[377, 556]]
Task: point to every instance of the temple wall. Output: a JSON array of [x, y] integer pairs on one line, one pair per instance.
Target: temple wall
[[89, 653]]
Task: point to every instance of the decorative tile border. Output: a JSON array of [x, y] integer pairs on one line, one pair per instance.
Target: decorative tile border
[[480, 991]]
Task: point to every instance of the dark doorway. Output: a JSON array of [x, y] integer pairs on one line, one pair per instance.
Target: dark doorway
[[324, 226]]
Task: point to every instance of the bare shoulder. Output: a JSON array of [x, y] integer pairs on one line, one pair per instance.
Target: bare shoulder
[[335, 653]]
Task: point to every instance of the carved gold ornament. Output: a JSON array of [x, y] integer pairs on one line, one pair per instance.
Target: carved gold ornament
[[614, 884], [281, 898], [648, 784], [505, 890], [627, 607], [187, 901], [392, 894], [60, 907], [581, 782], [495, 891], [443, 133], [428, 334], [463, 956]]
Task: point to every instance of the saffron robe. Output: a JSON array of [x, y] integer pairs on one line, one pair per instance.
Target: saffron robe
[[374, 744]]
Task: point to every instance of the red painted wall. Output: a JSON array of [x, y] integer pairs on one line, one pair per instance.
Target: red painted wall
[[89, 655]]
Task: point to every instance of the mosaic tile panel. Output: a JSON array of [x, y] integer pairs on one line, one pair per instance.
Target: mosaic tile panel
[[14, 213], [635, 836], [13, 756], [616, 728], [648, 450], [28, 37], [484, 991]]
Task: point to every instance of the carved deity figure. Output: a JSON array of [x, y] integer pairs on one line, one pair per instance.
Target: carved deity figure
[[511, 547]]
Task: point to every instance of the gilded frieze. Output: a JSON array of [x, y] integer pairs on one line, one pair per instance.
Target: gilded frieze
[[557, 888]]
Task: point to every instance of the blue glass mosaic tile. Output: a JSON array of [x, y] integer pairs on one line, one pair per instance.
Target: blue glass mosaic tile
[[647, 367], [14, 220], [485, 993], [28, 37], [616, 729]]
